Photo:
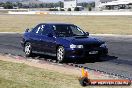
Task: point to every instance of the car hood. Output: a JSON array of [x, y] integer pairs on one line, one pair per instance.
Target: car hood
[[83, 40]]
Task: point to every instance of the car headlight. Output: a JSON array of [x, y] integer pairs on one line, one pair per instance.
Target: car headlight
[[76, 46], [103, 45]]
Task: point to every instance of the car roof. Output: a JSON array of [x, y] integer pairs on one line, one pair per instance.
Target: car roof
[[57, 23]]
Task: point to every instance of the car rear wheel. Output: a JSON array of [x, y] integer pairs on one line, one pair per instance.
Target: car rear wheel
[[60, 54], [28, 49]]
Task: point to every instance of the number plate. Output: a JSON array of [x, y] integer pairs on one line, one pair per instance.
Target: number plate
[[93, 52]]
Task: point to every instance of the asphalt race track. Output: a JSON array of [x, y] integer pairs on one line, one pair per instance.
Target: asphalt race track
[[119, 60]]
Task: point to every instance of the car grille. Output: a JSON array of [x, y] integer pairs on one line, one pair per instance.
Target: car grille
[[91, 46]]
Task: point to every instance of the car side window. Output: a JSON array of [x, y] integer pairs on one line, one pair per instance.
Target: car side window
[[35, 29], [40, 29], [76, 30], [47, 30], [44, 31]]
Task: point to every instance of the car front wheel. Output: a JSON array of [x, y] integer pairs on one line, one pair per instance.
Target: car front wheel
[[60, 54], [28, 49]]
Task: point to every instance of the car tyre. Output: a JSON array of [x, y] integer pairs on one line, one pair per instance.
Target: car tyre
[[60, 54], [28, 49]]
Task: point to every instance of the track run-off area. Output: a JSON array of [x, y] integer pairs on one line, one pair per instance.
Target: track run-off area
[[119, 60]]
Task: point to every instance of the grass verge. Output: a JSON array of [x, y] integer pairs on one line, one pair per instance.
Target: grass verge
[[92, 24], [21, 75], [13, 75]]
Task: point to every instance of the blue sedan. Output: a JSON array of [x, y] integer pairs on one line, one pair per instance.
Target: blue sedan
[[64, 41]]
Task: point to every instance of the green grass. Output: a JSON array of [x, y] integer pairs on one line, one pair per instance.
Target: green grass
[[14, 75], [92, 24]]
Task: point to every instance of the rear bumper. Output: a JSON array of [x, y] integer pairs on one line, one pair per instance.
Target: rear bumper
[[22, 43], [82, 53]]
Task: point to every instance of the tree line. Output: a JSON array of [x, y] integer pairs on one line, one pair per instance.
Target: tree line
[[10, 5]]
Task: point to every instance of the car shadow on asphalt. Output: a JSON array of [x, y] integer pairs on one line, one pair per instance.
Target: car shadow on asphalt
[[108, 58], [77, 61], [94, 60]]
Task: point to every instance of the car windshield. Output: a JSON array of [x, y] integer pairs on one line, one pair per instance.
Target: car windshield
[[68, 31]]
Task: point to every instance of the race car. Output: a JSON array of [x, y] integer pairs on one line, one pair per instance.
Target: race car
[[62, 40]]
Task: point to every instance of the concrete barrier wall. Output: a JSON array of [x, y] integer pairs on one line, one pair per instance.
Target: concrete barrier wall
[[91, 13], [30, 12], [85, 13]]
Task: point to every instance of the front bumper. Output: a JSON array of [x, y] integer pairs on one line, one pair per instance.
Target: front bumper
[[82, 53]]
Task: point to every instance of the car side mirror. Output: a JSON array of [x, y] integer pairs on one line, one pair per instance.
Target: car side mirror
[[50, 35], [27, 30], [87, 33]]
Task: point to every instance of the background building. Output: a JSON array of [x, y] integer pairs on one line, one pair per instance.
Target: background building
[[113, 4], [98, 3], [70, 4]]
